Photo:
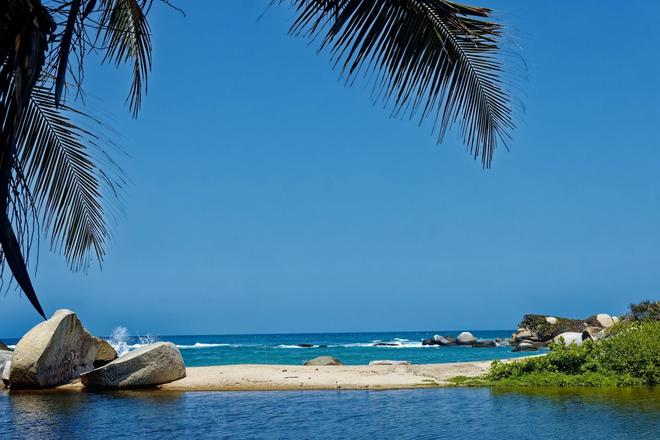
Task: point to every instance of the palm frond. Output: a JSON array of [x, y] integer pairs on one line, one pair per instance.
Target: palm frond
[[69, 187], [127, 38], [427, 58]]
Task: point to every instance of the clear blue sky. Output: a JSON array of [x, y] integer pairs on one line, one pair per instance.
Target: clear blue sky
[[267, 197]]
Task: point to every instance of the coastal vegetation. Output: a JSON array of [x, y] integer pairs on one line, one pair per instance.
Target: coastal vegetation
[[627, 355]]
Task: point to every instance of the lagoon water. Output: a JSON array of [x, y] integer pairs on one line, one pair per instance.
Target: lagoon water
[[350, 348], [446, 413]]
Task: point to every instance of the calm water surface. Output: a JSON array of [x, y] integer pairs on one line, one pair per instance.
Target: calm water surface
[[451, 413]]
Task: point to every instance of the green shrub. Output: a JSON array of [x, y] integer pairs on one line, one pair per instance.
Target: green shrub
[[630, 357], [645, 311], [634, 350]]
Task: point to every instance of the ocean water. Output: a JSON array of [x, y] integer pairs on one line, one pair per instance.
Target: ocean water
[[350, 348], [448, 413]]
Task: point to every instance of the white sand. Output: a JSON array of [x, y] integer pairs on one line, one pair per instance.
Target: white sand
[[300, 377]]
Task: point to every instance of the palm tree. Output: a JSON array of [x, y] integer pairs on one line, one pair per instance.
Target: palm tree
[[428, 59]]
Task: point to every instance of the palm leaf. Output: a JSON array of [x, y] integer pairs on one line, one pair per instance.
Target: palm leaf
[[427, 58], [127, 38], [69, 188]]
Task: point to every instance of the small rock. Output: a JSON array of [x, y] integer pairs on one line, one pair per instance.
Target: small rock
[[5, 373], [305, 345], [429, 341], [3, 347], [388, 362], [522, 334], [525, 346], [5, 358], [551, 320], [386, 344], [466, 338], [324, 360], [151, 365]]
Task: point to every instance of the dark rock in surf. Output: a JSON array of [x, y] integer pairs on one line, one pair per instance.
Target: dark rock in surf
[[484, 344]]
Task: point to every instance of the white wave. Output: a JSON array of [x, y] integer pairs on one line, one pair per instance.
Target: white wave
[[118, 340], [11, 346], [203, 345]]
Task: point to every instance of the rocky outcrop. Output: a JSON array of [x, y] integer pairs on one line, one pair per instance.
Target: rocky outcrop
[[54, 352], [323, 360], [3, 347], [389, 362], [466, 338], [439, 340], [544, 330], [147, 366]]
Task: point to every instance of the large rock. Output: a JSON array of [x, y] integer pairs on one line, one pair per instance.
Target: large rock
[[604, 320], [151, 365], [466, 338], [569, 338], [324, 360], [54, 352]]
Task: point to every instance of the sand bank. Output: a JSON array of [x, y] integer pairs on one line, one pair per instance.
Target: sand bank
[[254, 377]]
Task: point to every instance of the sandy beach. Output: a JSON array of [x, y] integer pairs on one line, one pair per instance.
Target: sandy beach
[[300, 377]]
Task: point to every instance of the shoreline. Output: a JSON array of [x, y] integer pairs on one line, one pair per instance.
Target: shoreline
[[262, 377]]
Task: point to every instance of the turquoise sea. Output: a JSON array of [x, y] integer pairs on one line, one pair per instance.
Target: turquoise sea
[[350, 348]]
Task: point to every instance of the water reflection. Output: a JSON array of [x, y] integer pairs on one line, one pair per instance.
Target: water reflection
[[454, 413]]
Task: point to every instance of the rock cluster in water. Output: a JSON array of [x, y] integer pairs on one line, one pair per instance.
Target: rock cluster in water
[[60, 350], [536, 331]]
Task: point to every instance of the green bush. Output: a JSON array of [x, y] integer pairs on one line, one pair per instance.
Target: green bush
[[630, 357], [645, 311], [634, 350]]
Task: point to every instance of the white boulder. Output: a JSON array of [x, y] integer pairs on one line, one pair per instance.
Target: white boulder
[[54, 352], [466, 338], [151, 365], [551, 320], [568, 338], [604, 320]]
